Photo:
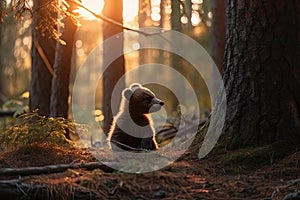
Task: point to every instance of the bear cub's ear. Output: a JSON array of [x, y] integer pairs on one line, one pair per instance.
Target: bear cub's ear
[[127, 93], [134, 86]]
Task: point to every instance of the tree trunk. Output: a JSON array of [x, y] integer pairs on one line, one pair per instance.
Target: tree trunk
[[261, 72], [189, 13], [62, 68], [218, 31], [175, 15], [40, 85], [112, 9], [1, 64], [176, 61]]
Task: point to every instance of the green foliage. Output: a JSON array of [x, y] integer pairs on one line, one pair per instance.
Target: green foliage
[[33, 128], [18, 106]]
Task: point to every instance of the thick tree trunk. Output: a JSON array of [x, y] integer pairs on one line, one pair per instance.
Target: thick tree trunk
[[62, 68], [261, 72], [40, 85], [112, 9], [1, 64], [218, 31]]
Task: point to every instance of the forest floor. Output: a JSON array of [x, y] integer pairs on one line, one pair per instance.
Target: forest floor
[[187, 178]]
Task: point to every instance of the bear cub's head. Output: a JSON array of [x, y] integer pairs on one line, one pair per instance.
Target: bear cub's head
[[141, 99]]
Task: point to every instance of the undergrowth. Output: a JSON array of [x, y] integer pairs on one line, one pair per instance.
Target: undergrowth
[[32, 128]]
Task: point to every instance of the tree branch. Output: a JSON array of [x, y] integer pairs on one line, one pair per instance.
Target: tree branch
[[43, 56], [52, 169], [109, 20], [4, 113], [104, 18]]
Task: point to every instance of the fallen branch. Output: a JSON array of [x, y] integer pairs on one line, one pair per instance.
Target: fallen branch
[[48, 169], [290, 183], [5, 113]]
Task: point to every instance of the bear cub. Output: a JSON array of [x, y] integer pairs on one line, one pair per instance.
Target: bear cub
[[132, 127]]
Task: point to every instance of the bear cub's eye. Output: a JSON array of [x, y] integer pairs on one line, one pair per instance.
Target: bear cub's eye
[[148, 99]]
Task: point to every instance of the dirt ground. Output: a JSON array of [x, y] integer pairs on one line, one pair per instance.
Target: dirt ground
[[187, 178]]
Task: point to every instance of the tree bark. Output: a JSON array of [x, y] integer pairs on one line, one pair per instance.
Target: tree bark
[[59, 105], [114, 10], [40, 84], [218, 32], [1, 64], [261, 72]]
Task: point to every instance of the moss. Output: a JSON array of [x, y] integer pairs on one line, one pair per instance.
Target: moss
[[245, 159], [248, 159], [283, 148]]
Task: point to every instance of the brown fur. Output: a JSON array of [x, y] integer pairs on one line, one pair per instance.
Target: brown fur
[[132, 127]]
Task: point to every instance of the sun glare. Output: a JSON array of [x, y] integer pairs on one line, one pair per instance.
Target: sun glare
[[95, 6], [130, 9]]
